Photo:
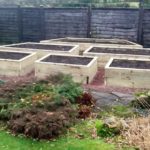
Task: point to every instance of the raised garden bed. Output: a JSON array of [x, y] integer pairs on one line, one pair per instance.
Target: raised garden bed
[[133, 73], [105, 53], [44, 49], [83, 69], [85, 43], [14, 63]]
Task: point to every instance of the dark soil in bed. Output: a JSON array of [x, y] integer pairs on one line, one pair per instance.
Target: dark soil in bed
[[130, 64], [68, 60], [43, 46], [120, 51], [98, 41], [12, 55]]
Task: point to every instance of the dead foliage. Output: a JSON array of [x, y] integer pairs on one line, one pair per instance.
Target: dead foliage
[[84, 112], [86, 102], [42, 124], [138, 133], [86, 99]]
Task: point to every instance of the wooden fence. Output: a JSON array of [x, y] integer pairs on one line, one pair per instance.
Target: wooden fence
[[35, 24]]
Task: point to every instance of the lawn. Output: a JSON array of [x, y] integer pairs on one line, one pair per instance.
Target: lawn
[[9, 142]]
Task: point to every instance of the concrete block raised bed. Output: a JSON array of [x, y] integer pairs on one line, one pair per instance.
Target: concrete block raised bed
[[14, 63], [132, 73], [105, 53], [82, 69], [44, 49], [85, 43]]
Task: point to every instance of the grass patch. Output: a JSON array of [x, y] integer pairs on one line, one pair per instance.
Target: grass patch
[[118, 111], [9, 142]]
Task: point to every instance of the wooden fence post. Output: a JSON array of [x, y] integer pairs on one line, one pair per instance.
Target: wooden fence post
[[20, 24], [89, 15], [42, 24], [140, 22]]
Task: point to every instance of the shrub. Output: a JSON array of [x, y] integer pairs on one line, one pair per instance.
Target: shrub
[[86, 99], [109, 127], [38, 88], [41, 124], [5, 108], [69, 89], [84, 112], [4, 114]]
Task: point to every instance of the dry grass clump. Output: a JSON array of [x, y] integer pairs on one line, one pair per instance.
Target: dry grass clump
[[138, 133]]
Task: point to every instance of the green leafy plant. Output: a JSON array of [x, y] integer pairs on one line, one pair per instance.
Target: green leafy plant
[[69, 89], [2, 82], [103, 130], [38, 88], [4, 114]]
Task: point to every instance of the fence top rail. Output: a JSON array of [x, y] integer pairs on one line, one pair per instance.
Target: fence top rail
[[73, 8]]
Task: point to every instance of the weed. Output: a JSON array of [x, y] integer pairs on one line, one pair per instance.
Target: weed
[[105, 130], [142, 100], [120, 111], [123, 111]]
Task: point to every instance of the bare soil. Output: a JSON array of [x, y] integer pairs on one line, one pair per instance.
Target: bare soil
[[120, 51], [12, 55], [68, 60], [43, 46], [100, 41], [130, 64], [98, 84]]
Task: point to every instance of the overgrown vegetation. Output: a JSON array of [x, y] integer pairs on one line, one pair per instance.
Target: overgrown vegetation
[[105, 130], [142, 100], [120, 111], [138, 133], [45, 109], [42, 124], [58, 108]]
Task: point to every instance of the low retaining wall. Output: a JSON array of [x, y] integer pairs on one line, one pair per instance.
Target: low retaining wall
[[104, 53], [16, 66], [127, 77], [44, 49], [81, 72], [85, 43]]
